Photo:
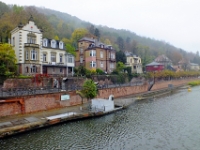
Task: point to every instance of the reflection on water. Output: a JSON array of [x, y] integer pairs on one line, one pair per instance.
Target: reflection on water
[[166, 123]]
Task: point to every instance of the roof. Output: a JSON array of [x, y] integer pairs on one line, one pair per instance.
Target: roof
[[87, 39], [96, 43], [154, 64], [129, 54], [193, 64], [162, 58]]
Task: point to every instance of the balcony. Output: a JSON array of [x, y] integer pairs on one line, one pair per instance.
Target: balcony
[[31, 45], [53, 64]]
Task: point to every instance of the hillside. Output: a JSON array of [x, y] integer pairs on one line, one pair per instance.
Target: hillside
[[62, 25]]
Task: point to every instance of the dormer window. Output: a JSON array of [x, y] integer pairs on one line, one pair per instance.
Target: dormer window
[[45, 42], [61, 45], [92, 45], [53, 43]]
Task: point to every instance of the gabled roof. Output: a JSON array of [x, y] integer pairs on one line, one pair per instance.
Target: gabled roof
[[86, 39], [162, 58], [154, 64], [193, 64]]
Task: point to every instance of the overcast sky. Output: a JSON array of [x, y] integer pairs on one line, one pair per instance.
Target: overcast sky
[[174, 21]]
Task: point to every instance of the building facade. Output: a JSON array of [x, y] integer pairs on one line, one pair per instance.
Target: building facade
[[55, 58], [36, 55], [134, 62], [154, 66], [93, 54], [162, 59]]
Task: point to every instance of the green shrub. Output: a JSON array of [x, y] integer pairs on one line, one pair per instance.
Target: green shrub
[[194, 83]]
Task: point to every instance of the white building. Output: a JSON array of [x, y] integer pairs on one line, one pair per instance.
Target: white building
[[36, 55], [134, 62]]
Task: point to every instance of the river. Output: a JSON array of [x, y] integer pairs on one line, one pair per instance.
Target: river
[[171, 122]]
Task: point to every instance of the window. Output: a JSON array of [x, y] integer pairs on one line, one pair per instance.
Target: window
[[101, 64], [33, 69], [70, 59], [92, 64], [61, 70], [111, 65], [45, 43], [31, 38], [61, 58], [44, 57], [26, 69], [81, 59], [33, 54], [134, 67], [53, 43], [81, 50], [112, 55], [92, 53], [53, 57], [101, 54], [61, 45], [27, 58]]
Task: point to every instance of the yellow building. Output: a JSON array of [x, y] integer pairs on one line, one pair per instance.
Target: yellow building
[[134, 62]]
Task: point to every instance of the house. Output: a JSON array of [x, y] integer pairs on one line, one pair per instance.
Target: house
[[134, 62], [184, 64], [154, 66], [193, 67], [162, 59], [36, 54], [55, 58], [92, 54]]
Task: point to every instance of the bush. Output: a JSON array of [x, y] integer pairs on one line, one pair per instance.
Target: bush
[[194, 83]]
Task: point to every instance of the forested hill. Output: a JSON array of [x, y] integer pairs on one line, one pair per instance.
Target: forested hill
[[61, 25]]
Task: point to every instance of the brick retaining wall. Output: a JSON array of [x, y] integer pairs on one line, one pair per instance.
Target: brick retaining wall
[[41, 102]]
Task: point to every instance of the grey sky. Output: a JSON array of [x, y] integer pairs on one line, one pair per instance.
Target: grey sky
[[174, 21]]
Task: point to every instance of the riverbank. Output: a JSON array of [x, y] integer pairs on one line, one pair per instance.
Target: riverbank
[[12, 125]]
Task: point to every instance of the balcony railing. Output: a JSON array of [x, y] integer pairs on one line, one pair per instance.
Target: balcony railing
[[31, 45]]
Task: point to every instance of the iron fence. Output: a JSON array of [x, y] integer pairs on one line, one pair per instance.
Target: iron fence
[[10, 92]]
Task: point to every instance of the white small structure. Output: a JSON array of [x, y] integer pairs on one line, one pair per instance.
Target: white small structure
[[103, 105]]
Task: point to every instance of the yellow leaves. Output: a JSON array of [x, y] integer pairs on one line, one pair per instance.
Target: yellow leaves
[[7, 59], [78, 34]]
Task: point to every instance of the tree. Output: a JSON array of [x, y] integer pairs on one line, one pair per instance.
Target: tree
[[120, 43], [78, 34], [97, 33], [70, 49], [92, 29], [107, 41], [89, 89], [7, 60], [120, 66], [56, 37], [120, 56]]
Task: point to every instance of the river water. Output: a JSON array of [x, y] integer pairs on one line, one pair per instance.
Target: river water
[[171, 122]]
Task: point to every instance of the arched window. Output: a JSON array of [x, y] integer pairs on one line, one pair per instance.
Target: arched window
[[33, 69]]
